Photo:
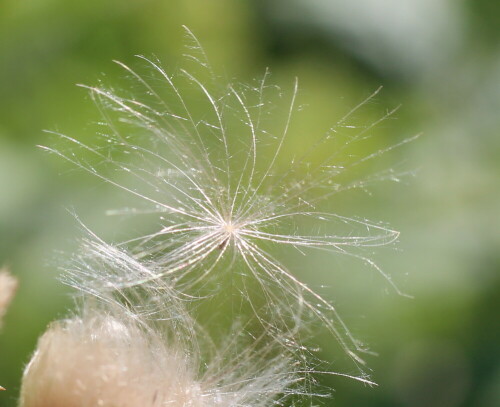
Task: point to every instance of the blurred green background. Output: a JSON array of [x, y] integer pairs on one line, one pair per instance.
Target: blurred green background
[[439, 59]]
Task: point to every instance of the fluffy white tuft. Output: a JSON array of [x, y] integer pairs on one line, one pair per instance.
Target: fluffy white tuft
[[111, 354], [8, 286], [99, 360]]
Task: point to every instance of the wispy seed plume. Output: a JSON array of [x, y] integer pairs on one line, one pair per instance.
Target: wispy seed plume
[[208, 167]]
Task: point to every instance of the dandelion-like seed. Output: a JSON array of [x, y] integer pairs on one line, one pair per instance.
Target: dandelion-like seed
[[221, 189]]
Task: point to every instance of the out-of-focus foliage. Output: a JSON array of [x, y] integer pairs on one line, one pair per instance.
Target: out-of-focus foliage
[[440, 60]]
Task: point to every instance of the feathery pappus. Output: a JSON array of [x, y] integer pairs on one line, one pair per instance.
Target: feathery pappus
[[206, 163]]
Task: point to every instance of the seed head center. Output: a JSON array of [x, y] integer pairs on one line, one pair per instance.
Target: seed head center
[[229, 228]]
